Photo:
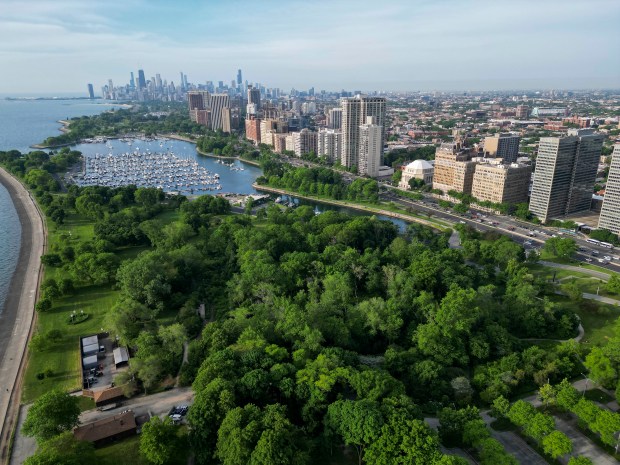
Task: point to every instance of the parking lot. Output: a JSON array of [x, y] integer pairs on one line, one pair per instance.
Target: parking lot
[[102, 377]]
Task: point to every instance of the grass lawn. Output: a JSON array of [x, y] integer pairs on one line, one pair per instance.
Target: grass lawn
[[597, 318], [62, 357], [127, 452], [586, 282]]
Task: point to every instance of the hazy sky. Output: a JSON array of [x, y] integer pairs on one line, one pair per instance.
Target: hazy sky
[[60, 45]]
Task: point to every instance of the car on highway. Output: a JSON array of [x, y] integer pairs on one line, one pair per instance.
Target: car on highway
[[588, 260], [603, 261], [607, 257], [527, 243]]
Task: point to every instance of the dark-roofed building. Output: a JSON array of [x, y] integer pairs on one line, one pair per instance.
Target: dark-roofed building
[[107, 430]]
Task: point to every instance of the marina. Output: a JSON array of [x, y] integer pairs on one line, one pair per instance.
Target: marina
[[161, 170], [163, 163]]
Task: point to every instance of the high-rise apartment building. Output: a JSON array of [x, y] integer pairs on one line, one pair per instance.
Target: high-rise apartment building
[[504, 146], [334, 118], [141, 79], [454, 169], [252, 130], [267, 129], [355, 110], [218, 115], [370, 147], [254, 96], [329, 144], [497, 182], [565, 173], [610, 212], [305, 141], [91, 91]]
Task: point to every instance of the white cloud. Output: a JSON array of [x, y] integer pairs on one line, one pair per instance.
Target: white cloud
[[61, 45]]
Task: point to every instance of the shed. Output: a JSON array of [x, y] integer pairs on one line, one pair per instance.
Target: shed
[[108, 429], [89, 362], [88, 340], [90, 349], [121, 356]]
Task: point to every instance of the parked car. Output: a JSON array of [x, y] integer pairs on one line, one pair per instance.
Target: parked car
[[588, 260]]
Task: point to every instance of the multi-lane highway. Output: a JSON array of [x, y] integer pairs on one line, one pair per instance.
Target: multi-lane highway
[[529, 235]]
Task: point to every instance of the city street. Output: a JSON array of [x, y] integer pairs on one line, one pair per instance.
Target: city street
[[517, 230]]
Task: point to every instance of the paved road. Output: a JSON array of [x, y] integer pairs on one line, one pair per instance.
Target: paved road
[[582, 445], [156, 404], [513, 444], [23, 447], [17, 317], [600, 298]]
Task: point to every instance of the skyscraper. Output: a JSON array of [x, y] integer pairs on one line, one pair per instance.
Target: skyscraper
[[218, 103], [355, 110], [239, 80], [132, 82], [370, 147], [610, 213], [254, 96], [91, 91], [141, 79], [182, 81], [565, 173], [334, 118]]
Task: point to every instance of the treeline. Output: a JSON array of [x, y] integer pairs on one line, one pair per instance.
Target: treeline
[[143, 118], [318, 181], [397, 157]]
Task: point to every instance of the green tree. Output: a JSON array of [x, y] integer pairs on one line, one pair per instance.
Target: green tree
[[547, 394], [613, 284], [561, 247], [51, 414], [601, 368], [539, 426], [566, 395], [63, 449], [358, 423], [556, 444], [158, 440]]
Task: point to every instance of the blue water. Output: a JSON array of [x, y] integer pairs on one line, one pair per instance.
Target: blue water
[[27, 122], [234, 181], [10, 241]]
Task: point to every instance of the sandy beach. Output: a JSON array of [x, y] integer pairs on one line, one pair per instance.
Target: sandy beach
[[16, 320]]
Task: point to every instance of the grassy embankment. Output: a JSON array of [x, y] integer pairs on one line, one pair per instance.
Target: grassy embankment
[[127, 452], [63, 357]]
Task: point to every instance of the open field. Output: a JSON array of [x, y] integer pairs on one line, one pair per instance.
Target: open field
[[61, 358]]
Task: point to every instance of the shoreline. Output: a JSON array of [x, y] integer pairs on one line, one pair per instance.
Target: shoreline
[[353, 206], [18, 317], [212, 155]]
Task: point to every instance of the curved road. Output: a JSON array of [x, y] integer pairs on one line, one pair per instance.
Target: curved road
[[17, 317]]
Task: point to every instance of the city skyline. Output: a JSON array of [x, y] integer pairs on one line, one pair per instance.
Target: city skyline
[[404, 46]]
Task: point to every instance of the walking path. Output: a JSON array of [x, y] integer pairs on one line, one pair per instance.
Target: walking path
[[596, 274], [16, 320]]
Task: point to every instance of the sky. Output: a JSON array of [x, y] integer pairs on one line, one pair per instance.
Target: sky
[[49, 46]]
